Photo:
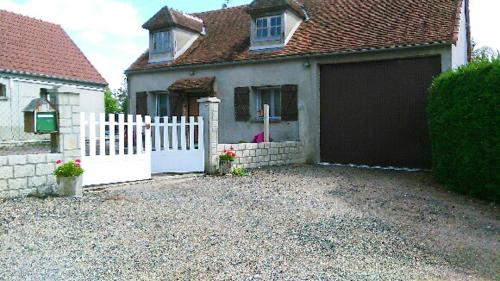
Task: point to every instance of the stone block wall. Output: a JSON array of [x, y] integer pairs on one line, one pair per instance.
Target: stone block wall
[[21, 175], [253, 155]]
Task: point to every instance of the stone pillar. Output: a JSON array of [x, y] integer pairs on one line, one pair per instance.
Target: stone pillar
[[66, 141], [209, 110]]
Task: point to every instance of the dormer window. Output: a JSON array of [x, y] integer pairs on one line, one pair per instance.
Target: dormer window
[[162, 42], [273, 23], [269, 28], [171, 34]]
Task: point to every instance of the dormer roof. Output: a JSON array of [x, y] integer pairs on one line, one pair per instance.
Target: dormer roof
[[167, 17], [258, 7]]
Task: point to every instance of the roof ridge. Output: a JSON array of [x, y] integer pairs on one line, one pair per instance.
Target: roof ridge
[[29, 17], [188, 15], [223, 9]]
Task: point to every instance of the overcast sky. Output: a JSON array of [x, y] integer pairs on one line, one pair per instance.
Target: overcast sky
[[109, 31]]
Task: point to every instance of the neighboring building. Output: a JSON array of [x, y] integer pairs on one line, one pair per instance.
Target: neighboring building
[[346, 77], [37, 57]]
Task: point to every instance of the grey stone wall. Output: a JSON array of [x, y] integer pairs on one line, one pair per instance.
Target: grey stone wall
[[67, 140], [253, 155], [21, 175]]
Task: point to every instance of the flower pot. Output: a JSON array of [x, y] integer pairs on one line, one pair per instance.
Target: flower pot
[[225, 167], [70, 186]]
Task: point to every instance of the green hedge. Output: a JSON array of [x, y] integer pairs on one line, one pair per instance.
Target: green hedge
[[464, 123]]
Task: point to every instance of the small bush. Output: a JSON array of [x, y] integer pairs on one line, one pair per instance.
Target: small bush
[[464, 123], [239, 172]]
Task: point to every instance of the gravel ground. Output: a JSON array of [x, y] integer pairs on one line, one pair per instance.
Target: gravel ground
[[288, 223]]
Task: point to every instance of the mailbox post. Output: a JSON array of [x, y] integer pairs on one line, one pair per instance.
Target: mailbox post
[[40, 117]]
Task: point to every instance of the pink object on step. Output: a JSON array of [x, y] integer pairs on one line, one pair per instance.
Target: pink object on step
[[260, 138]]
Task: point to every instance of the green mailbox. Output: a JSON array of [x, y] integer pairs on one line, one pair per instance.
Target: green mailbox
[[40, 117]]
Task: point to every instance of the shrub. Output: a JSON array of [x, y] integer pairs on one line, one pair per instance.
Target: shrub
[[464, 123], [240, 172], [68, 169]]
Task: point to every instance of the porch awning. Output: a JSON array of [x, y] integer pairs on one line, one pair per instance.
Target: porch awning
[[197, 85]]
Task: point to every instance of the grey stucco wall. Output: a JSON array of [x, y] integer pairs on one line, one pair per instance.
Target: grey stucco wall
[[228, 78], [21, 90], [183, 37], [293, 71]]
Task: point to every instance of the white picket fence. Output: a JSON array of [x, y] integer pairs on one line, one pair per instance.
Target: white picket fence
[[177, 145], [132, 149], [103, 161]]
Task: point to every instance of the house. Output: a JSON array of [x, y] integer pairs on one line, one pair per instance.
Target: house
[[348, 78], [37, 57]]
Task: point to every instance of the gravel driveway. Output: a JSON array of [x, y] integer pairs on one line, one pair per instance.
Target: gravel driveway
[[288, 223]]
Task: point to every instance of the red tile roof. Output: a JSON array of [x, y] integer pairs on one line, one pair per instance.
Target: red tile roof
[[39, 48], [335, 26]]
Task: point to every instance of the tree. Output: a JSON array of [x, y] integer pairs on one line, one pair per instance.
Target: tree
[[111, 104], [484, 53], [122, 96]]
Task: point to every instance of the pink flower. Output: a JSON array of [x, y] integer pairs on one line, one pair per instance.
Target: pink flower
[[77, 165], [58, 162], [78, 161]]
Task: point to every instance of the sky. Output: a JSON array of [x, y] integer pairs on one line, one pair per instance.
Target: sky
[[109, 31]]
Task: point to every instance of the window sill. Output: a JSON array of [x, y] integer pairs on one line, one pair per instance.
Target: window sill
[[4, 98], [271, 120], [267, 39]]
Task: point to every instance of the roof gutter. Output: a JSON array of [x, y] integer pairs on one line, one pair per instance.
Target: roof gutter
[[61, 79], [288, 57]]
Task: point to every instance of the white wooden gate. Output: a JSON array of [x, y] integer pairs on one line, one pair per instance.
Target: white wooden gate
[[177, 146], [121, 153]]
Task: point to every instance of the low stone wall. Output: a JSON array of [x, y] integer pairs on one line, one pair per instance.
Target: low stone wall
[[21, 175], [253, 155]]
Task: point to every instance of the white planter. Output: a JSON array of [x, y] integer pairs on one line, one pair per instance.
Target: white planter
[[70, 186]]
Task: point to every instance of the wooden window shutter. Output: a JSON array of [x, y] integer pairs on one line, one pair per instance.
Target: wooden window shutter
[[242, 103], [141, 103], [289, 103], [176, 104]]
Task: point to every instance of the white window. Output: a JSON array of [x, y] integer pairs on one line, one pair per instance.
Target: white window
[[272, 97], [162, 42], [3, 91], [269, 27], [162, 105]]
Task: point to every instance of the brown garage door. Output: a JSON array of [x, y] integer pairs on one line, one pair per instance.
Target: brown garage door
[[373, 113]]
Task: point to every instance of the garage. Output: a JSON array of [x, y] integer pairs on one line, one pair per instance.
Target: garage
[[374, 113]]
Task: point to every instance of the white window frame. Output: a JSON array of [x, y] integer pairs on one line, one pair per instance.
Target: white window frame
[[164, 39], [158, 97], [268, 28], [272, 106]]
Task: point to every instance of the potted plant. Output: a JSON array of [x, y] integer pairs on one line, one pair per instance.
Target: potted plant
[[69, 178], [226, 162]]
